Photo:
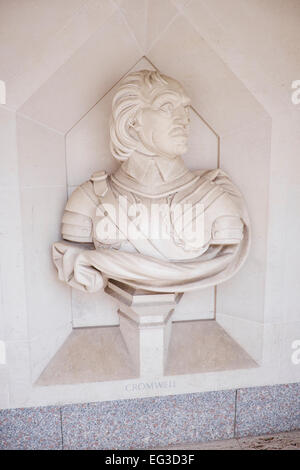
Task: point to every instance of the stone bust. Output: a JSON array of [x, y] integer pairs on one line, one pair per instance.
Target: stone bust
[[153, 224]]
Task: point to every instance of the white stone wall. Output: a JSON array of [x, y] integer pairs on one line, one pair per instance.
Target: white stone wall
[[236, 60]]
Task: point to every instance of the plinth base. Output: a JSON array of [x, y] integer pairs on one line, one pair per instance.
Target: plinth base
[[145, 323]]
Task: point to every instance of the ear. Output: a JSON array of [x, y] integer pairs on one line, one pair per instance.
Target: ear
[[132, 123], [133, 128], [136, 122]]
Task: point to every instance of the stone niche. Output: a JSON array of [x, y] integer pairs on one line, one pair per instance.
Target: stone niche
[[63, 345]]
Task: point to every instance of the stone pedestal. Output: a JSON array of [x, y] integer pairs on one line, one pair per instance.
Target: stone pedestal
[[145, 323]]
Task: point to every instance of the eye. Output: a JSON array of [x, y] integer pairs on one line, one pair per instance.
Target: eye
[[167, 108]]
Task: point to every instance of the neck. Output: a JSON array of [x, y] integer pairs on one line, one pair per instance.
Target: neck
[[154, 169]]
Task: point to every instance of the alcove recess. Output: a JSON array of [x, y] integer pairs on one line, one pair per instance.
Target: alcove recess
[[62, 134], [216, 339]]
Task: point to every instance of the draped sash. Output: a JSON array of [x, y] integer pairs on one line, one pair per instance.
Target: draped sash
[[88, 269]]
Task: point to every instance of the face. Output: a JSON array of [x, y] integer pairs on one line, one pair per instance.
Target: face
[[164, 123]]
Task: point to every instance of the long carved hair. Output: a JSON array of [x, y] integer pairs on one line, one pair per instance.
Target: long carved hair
[[125, 106]]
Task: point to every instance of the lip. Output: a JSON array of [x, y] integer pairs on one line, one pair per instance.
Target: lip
[[179, 131]]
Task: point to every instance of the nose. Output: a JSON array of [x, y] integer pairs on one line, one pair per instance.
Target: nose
[[182, 116]]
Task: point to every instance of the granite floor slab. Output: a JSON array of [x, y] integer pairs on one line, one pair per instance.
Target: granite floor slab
[[31, 429], [190, 421], [262, 410], [148, 422]]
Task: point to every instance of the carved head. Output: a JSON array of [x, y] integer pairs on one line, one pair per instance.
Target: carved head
[[150, 114]]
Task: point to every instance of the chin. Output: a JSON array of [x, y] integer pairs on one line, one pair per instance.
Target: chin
[[181, 148], [173, 151]]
